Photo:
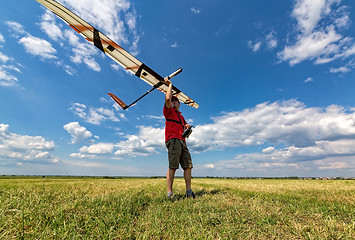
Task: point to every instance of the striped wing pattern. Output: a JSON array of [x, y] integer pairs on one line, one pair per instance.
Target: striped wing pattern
[[113, 50]]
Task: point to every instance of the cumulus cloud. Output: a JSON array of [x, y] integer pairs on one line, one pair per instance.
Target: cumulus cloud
[[4, 128], [296, 137], [77, 132], [324, 155], [24, 148], [95, 115], [50, 27], [141, 144], [98, 148], [33, 45], [289, 134], [318, 36], [288, 122], [95, 151], [38, 47]]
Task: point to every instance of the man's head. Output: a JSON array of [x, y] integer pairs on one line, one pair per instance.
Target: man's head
[[175, 103]]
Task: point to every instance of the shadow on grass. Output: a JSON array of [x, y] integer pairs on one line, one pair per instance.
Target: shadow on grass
[[200, 193], [205, 192]]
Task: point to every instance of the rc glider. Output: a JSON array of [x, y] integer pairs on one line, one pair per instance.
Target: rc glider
[[117, 53]]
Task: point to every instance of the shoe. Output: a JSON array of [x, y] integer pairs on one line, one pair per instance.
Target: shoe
[[190, 195], [171, 197]]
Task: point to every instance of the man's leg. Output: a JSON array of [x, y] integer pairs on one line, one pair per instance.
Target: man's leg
[[187, 177], [170, 179]]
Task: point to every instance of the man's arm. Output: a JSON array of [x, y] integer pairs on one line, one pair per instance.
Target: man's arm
[[168, 94]]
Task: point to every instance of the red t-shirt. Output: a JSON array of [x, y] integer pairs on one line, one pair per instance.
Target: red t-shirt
[[173, 129]]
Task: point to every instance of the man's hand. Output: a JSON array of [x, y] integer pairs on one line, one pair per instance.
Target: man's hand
[[187, 126], [167, 81]]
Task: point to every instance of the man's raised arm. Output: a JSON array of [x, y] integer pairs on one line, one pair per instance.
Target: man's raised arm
[[168, 94]]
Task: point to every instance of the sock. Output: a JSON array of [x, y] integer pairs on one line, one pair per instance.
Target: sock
[[189, 192], [170, 194]]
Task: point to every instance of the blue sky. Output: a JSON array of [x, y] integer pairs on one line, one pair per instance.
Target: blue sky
[[274, 81]]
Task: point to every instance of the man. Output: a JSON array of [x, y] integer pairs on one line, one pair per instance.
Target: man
[[178, 153]]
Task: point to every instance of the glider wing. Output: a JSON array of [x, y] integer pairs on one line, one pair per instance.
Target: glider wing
[[113, 50]]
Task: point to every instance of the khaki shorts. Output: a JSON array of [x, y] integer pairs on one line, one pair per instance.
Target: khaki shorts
[[178, 153]]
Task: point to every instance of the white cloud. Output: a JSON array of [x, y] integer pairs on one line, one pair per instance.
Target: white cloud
[[143, 144], [318, 35], [4, 128], [268, 150], [344, 69], [271, 40], [309, 13], [309, 79], [98, 148], [339, 70], [324, 155], [292, 136], [7, 79], [38, 47], [4, 58], [289, 123], [16, 27], [2, 39], [174, 45], [77, 132], [80, 155], [24, 148], [94, 115], [50, 27], [83, 51], [255, 46], [319, 45], [194, 10]]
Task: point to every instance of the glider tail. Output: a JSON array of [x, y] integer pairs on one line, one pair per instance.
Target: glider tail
[[118, 101]]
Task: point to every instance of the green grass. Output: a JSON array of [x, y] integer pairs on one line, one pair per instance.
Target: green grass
[[131, 208]]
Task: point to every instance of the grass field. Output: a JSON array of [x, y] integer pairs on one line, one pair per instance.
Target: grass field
[[137, 208]]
